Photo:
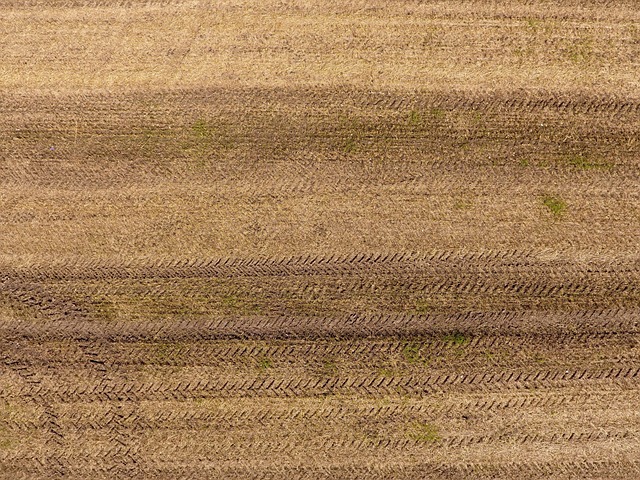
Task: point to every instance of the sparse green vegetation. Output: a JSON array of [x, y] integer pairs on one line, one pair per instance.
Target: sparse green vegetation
[[230, 301], [203, 129], [456, 338], [533, 23], [105, 308], [537, 25], [583, 162], [491, 357], [411, 352], [424, 433], [437, 113], [5, 443], [386, 372], [580, 51], [329, 367], [5, 439], [555, 204], [265, 363], [422, 307], [539, 358], [462, 204], [207, 137], [233, 303], [350, 145], [415, 118], [167, 352]]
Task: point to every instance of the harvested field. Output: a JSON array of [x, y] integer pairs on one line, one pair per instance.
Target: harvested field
[[359, 239]]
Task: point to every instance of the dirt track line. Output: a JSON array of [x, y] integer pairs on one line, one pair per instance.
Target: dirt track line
[[534, 281], [599, 322], [411, 182], [524, 101], [569, 469], [284, 266], [506, 112], [40, 302], [104, 356], [48, 420], [181, 418], [587, 378], [513, 290], [483, 262], [124, 455]]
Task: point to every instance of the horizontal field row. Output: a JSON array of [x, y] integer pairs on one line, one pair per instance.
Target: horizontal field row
[[473, 409], [93, 416], [591, 322], [438, 424], [471, 352], [154, 105], [268, 296], [214, 134], [578, 45], [454, 351], [140, 439], [539, 470], [584, 10], [527, 263], [93, 448], [625, 378], [177, 223]]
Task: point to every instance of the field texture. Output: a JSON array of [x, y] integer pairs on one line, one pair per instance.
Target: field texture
[[320, 239]]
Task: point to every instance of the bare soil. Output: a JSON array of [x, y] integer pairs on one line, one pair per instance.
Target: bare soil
[[359, 239]]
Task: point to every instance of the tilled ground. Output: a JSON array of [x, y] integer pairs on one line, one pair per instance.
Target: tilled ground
[[320, 240], [261, 368], [506, 403]]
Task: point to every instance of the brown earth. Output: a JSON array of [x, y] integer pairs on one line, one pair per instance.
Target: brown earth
[[360, 239]]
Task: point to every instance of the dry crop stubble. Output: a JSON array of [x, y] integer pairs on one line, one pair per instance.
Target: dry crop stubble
[[319, 239]]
